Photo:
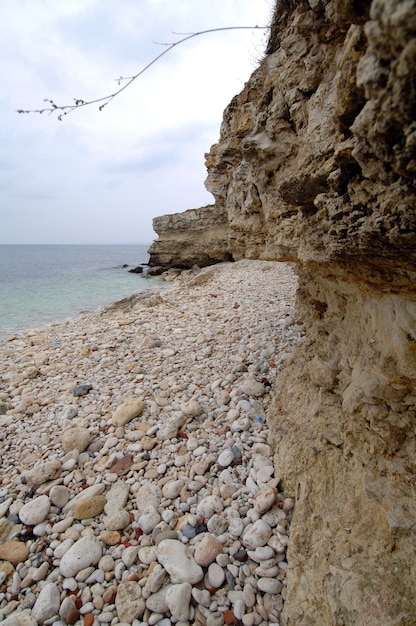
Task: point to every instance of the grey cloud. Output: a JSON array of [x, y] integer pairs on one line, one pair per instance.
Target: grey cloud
[[112, 171], [163, 150], [33, 195], [7, 164]]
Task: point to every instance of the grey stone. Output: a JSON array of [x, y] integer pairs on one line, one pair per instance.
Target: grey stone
[[35, 511], [179, 562], [85, 552], [47, 604], [82, 390]]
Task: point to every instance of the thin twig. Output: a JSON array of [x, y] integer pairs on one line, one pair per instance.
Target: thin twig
[[105, 100]]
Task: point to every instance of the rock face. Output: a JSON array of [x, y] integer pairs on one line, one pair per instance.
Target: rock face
[[194, 237], [316, 165]]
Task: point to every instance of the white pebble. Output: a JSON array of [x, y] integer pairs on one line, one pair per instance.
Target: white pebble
[[225, 458], [269, 585]]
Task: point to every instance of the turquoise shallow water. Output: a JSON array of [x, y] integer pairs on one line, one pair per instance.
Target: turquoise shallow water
[[43, 284]]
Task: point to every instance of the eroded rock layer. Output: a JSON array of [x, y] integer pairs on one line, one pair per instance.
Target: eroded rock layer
[[316, 165], [194, 237]]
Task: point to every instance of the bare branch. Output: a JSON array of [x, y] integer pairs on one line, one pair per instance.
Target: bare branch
[[105, 100]]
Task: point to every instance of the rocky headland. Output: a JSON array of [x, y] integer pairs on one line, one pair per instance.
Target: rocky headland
[[316, 165], [177, 247]]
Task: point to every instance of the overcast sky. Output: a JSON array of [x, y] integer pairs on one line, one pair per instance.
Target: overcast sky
[[100, 177]]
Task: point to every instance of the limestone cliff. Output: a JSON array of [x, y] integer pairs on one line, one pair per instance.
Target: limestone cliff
[[316, 165], [194, 237]]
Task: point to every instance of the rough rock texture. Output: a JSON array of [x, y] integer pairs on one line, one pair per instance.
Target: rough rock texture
[[316, 165], [194, 237]]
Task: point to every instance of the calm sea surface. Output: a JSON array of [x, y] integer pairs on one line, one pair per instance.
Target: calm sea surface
[[42, 284]]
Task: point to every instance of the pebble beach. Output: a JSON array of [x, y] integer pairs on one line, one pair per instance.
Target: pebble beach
[[137, 483]]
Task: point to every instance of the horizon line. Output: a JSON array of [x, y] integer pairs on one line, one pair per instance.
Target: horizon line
[[108, 243]]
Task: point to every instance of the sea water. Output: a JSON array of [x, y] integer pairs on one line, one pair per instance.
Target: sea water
[[43, 284]]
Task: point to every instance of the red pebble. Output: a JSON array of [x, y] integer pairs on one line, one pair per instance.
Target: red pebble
[[88, 619], [73, 616], [229, 617], [78, 603]]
